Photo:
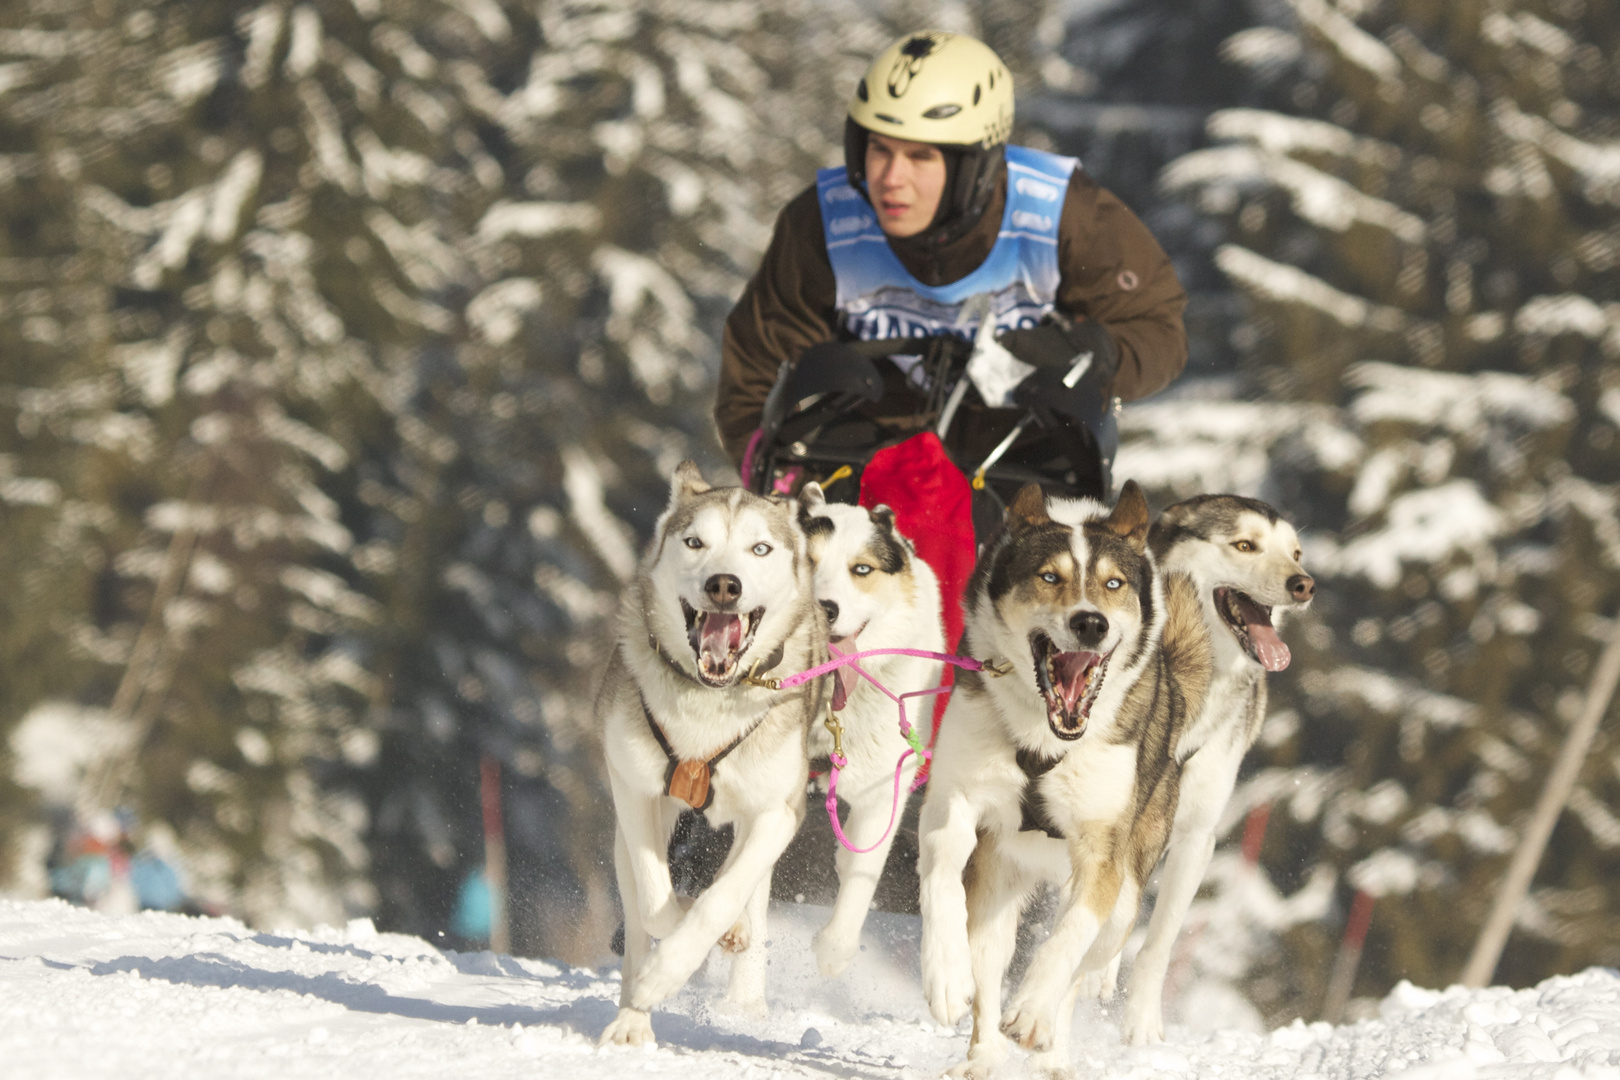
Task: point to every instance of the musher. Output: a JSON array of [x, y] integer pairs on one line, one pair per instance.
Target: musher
[[932, 219]]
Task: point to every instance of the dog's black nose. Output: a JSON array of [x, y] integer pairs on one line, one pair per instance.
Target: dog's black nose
[[831, 608], [1090, 627], [723, 589], [1302, 587]]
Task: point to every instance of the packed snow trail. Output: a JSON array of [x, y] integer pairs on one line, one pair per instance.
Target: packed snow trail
[[88, 995]]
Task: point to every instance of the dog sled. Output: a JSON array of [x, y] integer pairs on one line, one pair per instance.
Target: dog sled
[[844, 402]]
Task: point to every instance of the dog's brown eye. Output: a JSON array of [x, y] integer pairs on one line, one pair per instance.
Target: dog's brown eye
[[1243, 545], [692, 542], [860, 569]]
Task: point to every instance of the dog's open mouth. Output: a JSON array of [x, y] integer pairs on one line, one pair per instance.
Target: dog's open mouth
[[1069, 682], [1251, 625], [719, 638]]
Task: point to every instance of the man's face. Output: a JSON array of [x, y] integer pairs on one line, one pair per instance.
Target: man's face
[[905, 180]]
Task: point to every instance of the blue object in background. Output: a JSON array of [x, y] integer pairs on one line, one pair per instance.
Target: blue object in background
[[475, 908], [84, 880], [157, 884]]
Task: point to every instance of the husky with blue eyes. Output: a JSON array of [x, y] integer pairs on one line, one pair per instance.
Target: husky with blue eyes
[[1063, 773], [722, 605]]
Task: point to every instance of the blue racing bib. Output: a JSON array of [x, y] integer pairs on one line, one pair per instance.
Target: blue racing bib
[[878, 298]]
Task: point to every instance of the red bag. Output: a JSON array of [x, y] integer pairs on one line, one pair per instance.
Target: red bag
[[933, 508]]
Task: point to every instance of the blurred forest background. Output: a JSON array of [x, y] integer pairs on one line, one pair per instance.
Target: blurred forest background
[[346, 347]]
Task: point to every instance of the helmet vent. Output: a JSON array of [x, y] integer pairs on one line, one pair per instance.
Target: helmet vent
[[942, 112], [860, 91], [887, 119], [976, 92]]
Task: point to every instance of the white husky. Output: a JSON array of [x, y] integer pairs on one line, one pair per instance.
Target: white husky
[[724, 593], [877, 595], [1245, 561]]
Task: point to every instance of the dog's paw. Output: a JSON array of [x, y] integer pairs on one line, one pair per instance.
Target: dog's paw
[[1142, 1023], [739, 937], [749, 1007], [1027, 1024], [1049, 1066], [834, 950], [1098, 984], [659, 979], [632, 1027], [948, 986], [970, 1070], [982, 1060]]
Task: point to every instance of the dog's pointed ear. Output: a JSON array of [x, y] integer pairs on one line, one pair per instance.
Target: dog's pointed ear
[[1028, 508], [811, 497], [1130, 518], [688, 481]]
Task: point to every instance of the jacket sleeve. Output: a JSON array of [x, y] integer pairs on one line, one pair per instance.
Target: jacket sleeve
[[1115, 272], [787, 307]]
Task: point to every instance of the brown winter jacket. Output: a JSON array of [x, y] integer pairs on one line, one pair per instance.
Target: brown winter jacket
[[1112, 271]]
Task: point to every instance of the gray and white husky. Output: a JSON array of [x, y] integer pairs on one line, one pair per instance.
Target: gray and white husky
[[877, 594], [1246, 563], [724, 593], [1061, 773]]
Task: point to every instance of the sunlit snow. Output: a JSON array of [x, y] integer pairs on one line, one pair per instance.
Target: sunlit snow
[[89, 995]]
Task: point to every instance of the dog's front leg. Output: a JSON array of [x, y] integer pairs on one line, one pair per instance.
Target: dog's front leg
[[632, 1027], [995, 897], [871, 804], [1094, 891], [1206, 785], [745, 992], [645, 824], [713, 913], [948, 834]]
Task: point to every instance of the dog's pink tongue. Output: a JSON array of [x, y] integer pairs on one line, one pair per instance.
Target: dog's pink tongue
[[1268, 647], [844, 678], [719, 634], [1069, 675]]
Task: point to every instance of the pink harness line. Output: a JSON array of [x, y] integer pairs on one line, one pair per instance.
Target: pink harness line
[[913, 740]]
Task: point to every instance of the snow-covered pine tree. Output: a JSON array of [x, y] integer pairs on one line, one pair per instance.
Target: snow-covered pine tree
[[378, 329], [1426, 231]]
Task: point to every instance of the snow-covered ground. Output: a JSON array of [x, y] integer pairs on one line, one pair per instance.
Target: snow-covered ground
[[89, 995]]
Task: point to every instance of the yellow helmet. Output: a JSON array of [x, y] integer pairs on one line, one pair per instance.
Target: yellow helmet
[[946, 89], [936, 87]]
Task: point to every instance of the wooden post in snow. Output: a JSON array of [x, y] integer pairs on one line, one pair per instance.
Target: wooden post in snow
[[489, 785], [1554, 794], [1345, 965]]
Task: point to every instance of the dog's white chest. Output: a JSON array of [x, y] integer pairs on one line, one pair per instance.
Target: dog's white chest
[[1092, 783]]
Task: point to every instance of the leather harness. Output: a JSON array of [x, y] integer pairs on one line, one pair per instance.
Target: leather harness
[[690, 779]]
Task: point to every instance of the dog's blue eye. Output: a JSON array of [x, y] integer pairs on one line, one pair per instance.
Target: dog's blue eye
[[762, 549], [1115, 583], [860, 569], [1050, 578], [692, 542]]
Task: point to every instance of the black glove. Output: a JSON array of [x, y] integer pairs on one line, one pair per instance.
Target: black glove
[[1053, 347]]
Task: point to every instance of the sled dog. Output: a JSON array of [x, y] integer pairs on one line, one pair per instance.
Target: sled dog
[[1063, 772], [1245, 561], [877, 594], [724, 593]]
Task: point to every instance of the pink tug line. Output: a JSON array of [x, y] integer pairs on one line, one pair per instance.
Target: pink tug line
[[913, 740]]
